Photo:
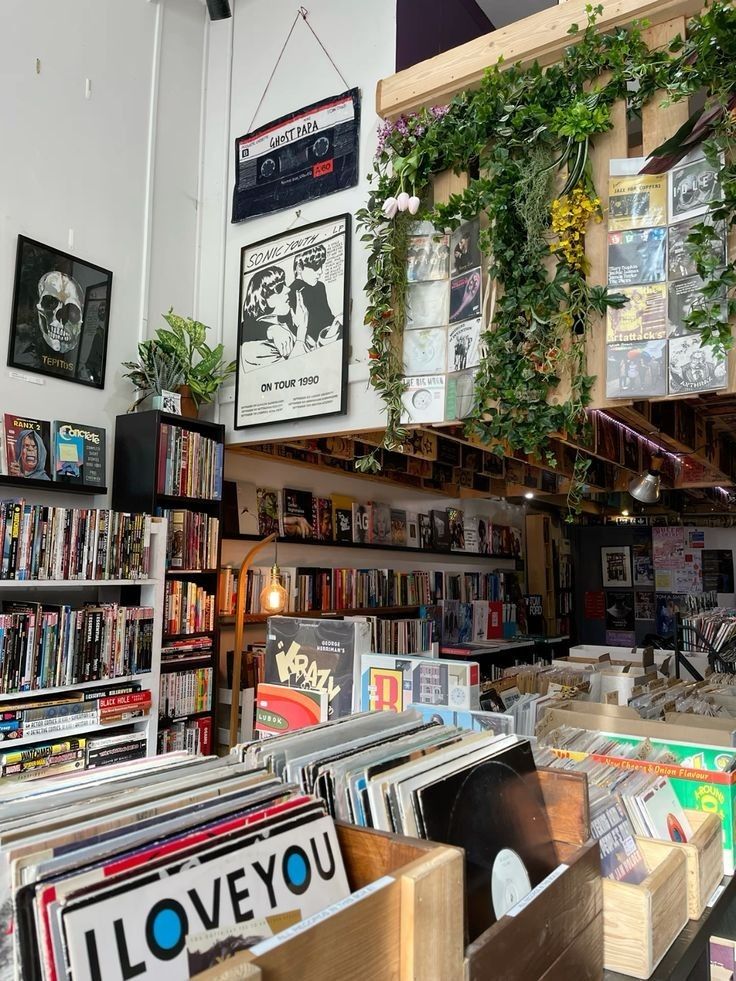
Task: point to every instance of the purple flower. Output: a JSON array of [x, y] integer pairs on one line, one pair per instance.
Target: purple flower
[[401, 127], [439, 111]]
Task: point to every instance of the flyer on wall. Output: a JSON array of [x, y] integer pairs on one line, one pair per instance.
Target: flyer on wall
[[292, 337]]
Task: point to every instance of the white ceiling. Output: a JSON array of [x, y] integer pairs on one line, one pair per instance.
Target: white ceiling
[[503, 12]]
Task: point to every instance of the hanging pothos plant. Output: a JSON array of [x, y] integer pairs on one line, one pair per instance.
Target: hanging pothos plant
[[524, 135]]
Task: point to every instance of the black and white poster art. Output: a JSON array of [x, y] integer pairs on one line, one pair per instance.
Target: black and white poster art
[[293, 333], [680, 262], [301, 156], [638, 369], [60, 316], [465, 247], [464, 345], [693, 184], [427, 257], [694, 368]]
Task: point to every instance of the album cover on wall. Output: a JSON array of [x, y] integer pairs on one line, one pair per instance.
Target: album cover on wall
[[642, 318], [693, 184], [694, 368], [684, 297], [459, 395], [427, 304], [635, 200], [636, 256], [465, 247], [465, 296], [636, 369], [464, 345], [427, 257], [425, 350], [679, 261], [424, 399], [616, 565]]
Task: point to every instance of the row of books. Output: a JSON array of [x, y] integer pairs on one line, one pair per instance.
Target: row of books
[[185, 692], [320, 588], [301, 515], [67, 452], [193, 539], [29, 719], [194, 737], [186, 649], [113, 750], [189, 464], [44, 646], [188, 608], [406, 636], [40, 542], [75, 753]]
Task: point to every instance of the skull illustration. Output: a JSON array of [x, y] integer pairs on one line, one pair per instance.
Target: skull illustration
[[59, 310]]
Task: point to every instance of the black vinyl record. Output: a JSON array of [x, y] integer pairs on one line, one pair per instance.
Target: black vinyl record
[[495, 811]]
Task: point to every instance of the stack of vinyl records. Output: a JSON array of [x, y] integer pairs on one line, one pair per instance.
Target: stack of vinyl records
[[400, 773], [109, 873]]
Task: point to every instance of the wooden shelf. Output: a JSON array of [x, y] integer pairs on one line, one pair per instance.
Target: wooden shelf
[[227, 621], [51, 485], [190, 635], [174, 501], [376, 548], [191, 572], [73, 732], [164, 721]]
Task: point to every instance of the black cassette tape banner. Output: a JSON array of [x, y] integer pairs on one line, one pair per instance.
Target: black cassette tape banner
[[301, 156]]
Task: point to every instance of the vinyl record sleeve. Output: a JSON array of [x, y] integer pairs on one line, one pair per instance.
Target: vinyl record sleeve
[[424, 399], [693, 185], [464, 345], [694, 368], [679, 261], [636, 369], [636, 256], [427, 257], [465, 296], [307, 866], [635, 200], [425, 350], [642, 318], [488, 808], [427, 304]]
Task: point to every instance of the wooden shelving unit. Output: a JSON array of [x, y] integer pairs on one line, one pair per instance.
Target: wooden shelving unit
[[540, 567], [138, 447]]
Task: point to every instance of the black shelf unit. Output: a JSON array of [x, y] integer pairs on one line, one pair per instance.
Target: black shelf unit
[[135, 488], [369, 547], [51, 485]]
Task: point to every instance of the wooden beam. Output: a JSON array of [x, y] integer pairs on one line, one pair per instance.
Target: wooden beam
[[542, 37]]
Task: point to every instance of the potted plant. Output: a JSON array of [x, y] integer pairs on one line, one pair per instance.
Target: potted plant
[[204, 367], [155, 371], [179, 359]]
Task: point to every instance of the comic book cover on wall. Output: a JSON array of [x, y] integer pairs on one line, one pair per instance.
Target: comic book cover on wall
[[292, 338]]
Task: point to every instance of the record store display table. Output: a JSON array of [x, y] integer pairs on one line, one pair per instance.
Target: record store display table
[[687, 959]]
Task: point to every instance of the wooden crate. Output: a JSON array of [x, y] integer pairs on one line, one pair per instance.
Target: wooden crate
[[640, 922], [411, 927], [704, 860]]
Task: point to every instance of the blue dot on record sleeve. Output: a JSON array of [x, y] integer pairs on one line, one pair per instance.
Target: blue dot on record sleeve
[[296, 869], [167, 929]]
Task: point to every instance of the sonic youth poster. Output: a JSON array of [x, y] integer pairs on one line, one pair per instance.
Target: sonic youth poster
[[292, 339], [304, 155]]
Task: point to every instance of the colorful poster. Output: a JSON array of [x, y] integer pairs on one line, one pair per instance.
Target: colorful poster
[[643, 605], [642, 318], [635, 200], [668, 548]]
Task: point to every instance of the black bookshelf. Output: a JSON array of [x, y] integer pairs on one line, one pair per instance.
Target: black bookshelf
[[51, 485], [135, 488], [367, 546]]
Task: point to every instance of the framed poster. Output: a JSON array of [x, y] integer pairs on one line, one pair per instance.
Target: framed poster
[[293, 330], [616, 566], [60, 316]]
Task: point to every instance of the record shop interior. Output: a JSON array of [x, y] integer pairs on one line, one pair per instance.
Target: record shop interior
[[368, 607]]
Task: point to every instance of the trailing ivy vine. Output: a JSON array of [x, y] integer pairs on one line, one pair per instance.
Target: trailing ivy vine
[[524, 136]]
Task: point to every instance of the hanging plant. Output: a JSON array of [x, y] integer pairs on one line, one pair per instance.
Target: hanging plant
[[527, 132]]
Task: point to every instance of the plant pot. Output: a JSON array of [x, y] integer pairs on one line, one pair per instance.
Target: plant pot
[[188, 405]]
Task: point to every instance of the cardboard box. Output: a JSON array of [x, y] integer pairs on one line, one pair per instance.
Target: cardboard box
[[596, 653]]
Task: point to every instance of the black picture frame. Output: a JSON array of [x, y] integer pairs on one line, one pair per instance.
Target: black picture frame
[[86, 289], [262, 370]]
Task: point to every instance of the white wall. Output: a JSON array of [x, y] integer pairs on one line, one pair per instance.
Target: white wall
[[242, 52], [80, 173]]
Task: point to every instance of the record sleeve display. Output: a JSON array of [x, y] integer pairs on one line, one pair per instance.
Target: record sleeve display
[[636, 369], [464, 345], [694, 368], [636, 256], [425, 350], [635, 200], [679, 261], [465, 296], [424, 399], [427, 257], [427, 304], [642, 318]]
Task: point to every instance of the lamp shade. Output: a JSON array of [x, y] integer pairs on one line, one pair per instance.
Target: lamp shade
[[646, 487]]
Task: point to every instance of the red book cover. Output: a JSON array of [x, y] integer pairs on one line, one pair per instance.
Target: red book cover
[[205, 736], [495, 620], [131, 698], [280, 709]]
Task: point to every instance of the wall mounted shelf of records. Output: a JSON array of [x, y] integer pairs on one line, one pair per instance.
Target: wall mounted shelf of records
[[51, 485], [366, 546]]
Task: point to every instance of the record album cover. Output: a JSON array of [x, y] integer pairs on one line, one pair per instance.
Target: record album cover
[[425, 350], [686, 296], [635, 200], [427, 257], [679, 261], [642, 318], [465, 247], [465, 296], [694, 368], [508, 846], [693, 184], [459, 393], [427, 304], [464, 345], [636, 369], [424, 399], [636, 256]]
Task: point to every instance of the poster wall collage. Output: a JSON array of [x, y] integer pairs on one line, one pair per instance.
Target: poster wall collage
[[649, 350], [648, 581]]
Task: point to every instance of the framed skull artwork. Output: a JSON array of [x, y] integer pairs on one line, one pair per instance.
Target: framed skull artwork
[[60, 316]]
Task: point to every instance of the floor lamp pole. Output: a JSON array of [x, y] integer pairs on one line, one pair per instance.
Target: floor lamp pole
[[239, 635]]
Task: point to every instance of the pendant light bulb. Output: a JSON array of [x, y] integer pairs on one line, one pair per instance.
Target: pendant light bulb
[[273, 594]]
